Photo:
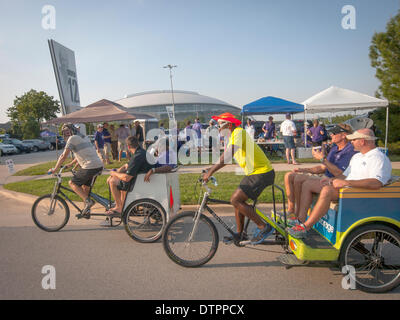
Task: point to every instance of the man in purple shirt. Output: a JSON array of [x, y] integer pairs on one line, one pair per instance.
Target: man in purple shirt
[[197, 128], [317, 134], [332, 165]]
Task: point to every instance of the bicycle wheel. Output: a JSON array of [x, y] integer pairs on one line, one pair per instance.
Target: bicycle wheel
[[144, 220], [200, 249], [374, 253], [50, 215]]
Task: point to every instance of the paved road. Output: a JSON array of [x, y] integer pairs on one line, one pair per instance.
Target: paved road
[[93, 262]]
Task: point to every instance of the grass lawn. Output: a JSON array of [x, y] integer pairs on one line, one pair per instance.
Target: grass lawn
[[41, 169], [227, 183]]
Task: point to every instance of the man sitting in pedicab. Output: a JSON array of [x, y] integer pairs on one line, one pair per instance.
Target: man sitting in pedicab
[[119, 180], [332, 165], [370, 169]]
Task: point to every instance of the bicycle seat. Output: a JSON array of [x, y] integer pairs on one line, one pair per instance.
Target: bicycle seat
[[95, 177]]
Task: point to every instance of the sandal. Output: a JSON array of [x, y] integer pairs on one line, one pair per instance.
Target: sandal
[[113, 213]]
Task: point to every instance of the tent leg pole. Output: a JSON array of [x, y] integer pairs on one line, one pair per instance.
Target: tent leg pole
[[305, 129], [387, 127]]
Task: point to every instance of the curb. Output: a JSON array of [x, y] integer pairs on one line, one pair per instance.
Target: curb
[[19, 196]]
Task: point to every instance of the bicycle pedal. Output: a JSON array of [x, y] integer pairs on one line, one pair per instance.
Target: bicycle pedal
[[246, 242]]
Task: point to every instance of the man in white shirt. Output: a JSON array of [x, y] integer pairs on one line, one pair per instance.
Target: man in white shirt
[[370, 169], [288, 129]]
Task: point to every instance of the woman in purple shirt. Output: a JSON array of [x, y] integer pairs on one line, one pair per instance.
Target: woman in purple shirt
[[317, 134]]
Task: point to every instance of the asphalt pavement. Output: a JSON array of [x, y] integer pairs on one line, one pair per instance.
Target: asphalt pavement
[[94, 262]]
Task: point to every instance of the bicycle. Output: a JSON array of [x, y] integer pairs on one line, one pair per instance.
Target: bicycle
[[51, 213], [191, 239], [144, 219]]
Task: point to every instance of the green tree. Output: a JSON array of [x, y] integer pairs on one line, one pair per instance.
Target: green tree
[[29, 110], [384, 53]]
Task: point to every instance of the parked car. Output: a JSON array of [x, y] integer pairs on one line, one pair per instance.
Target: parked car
[[52, 140], [38, 144], [21, 146], [7, 149]]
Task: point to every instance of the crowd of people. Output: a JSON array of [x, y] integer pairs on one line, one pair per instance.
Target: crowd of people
[[110, 142]]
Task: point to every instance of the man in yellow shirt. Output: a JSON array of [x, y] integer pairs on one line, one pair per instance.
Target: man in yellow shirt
[[257, 168]]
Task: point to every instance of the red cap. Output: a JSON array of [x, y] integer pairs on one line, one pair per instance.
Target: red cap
[[228, 117]]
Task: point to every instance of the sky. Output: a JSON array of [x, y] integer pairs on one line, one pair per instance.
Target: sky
[[233, 50]]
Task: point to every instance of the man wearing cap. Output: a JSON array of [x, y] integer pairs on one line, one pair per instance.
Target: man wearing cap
[[257, 168], [88, 160], [288, 129], [332, 165], [369, 169]]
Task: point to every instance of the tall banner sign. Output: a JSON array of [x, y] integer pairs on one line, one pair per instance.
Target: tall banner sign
[[66, 77]]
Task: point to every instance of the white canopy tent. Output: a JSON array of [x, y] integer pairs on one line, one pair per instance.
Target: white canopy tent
[[336, 99]]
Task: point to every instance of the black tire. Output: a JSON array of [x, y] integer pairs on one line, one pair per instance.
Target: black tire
[[204, 244], [145, 220], [35, 149], [373, 251], [51, 147], [40, 211]]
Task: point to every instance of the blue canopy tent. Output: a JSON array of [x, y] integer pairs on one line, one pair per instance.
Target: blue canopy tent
[[271, 105]]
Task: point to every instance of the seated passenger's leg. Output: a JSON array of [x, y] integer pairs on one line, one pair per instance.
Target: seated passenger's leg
[[298, 185], [326, 195], [309, 187], [113, 182], [289, 187]]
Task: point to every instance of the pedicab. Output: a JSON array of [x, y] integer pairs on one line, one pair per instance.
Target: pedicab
[[147, 207], [360, 232]]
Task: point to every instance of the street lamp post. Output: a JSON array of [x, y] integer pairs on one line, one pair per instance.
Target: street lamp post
[[172, 88]]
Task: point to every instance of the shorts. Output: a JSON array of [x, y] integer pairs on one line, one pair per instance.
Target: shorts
[[125, 186], [289, 142], [107, 148], [317, 144], [254, 184], [122, 145], [85, 176], [101, 154]]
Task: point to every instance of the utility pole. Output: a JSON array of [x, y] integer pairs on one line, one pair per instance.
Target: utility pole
[[172, 87]]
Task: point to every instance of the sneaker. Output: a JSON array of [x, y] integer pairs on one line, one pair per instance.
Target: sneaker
[[260, 235], [88, 204], [291, 219], [299, 231]]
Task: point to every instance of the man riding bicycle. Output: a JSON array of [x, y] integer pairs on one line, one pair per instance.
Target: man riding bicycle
[[257, 168], [88, 160]]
